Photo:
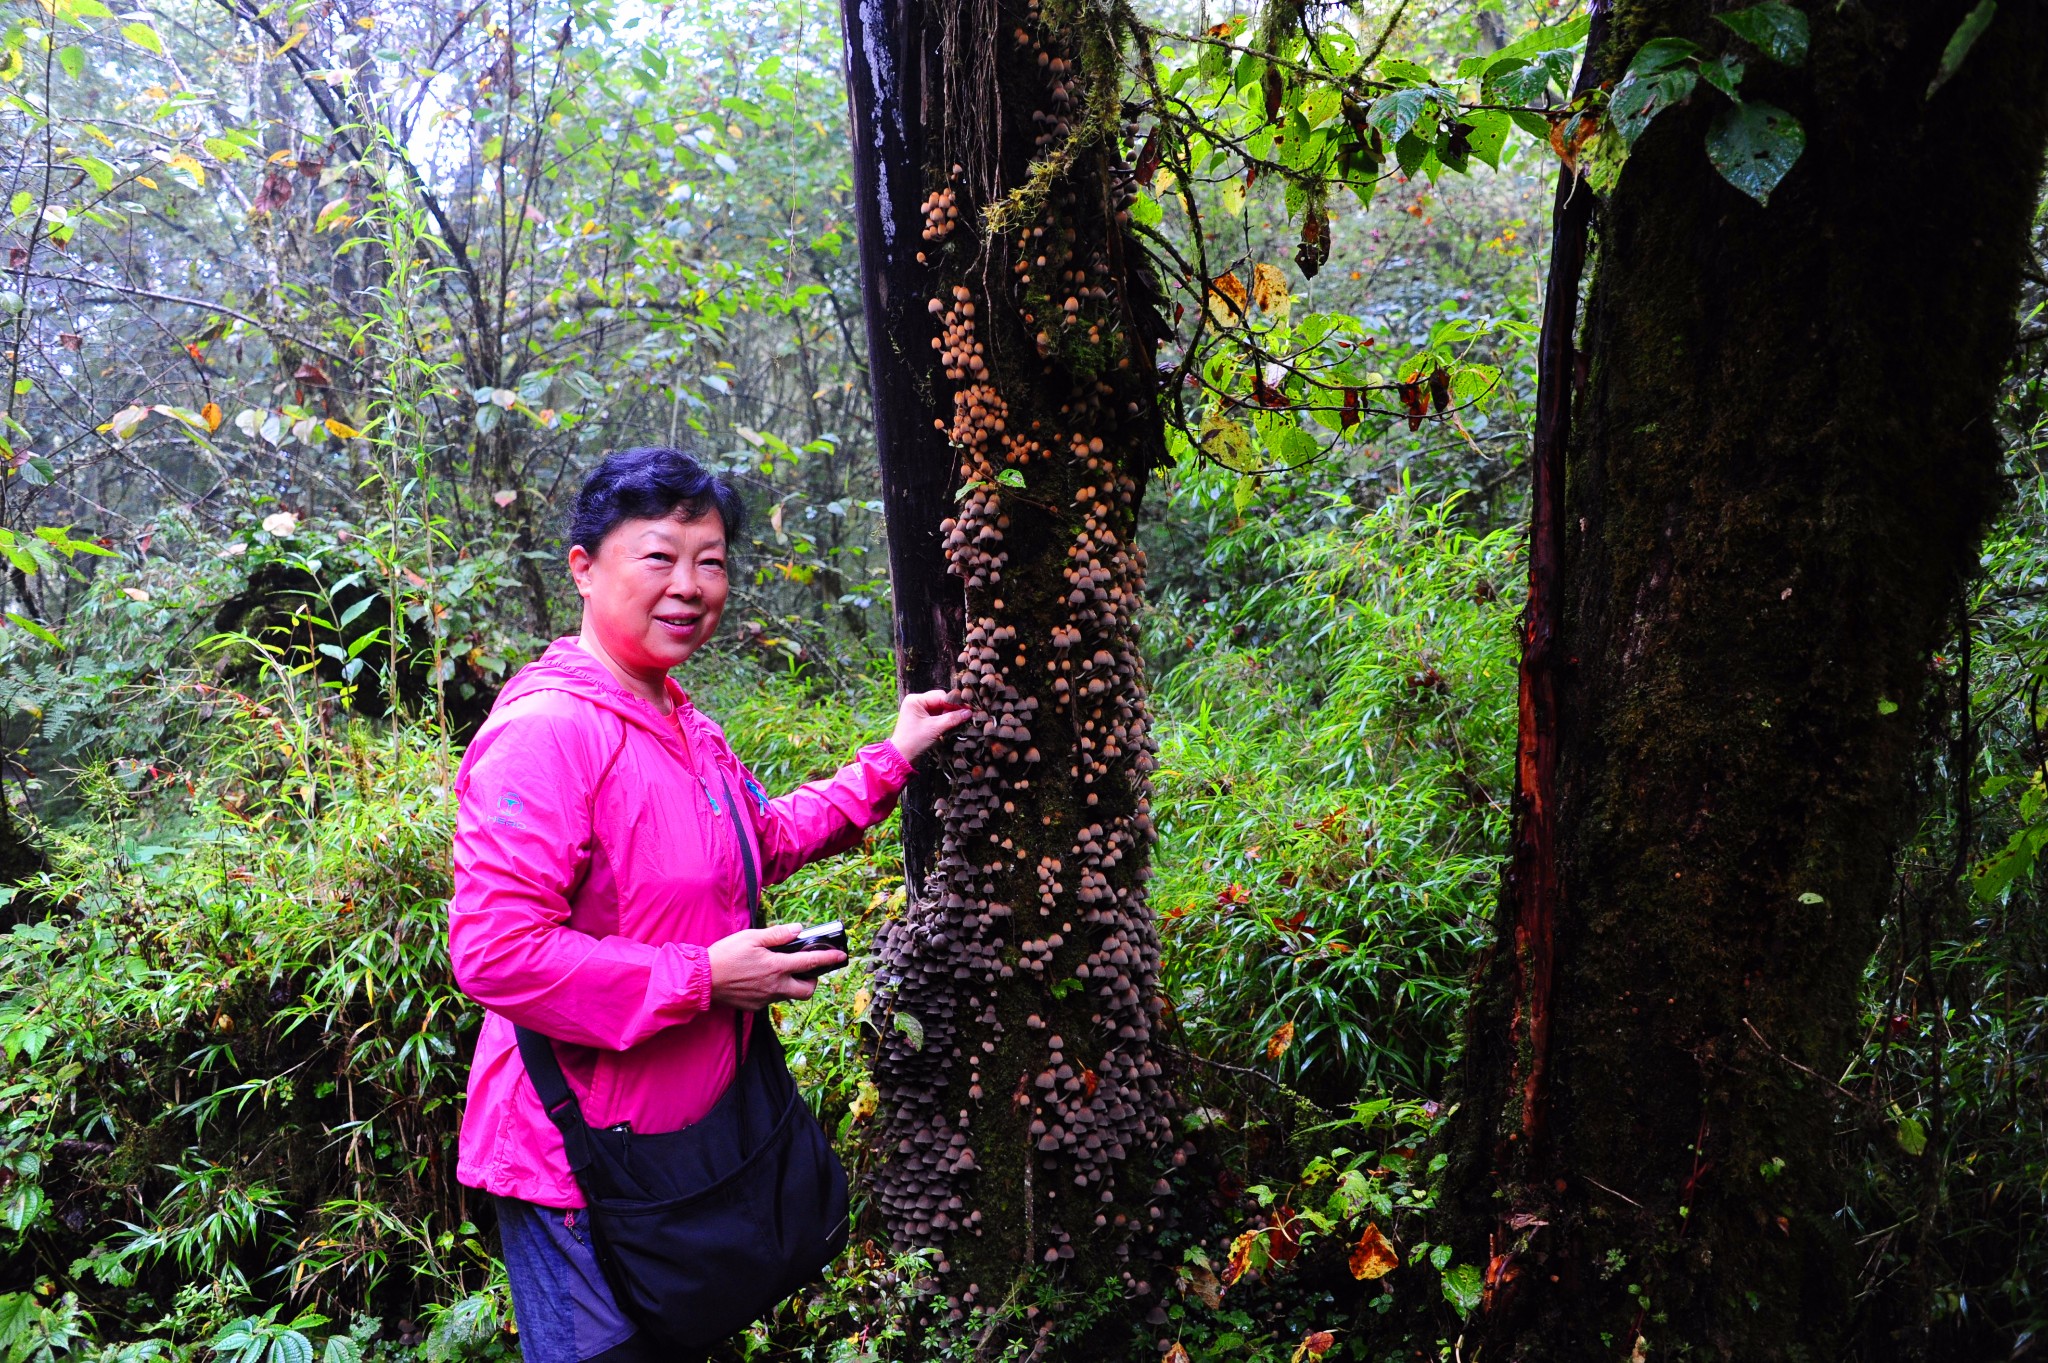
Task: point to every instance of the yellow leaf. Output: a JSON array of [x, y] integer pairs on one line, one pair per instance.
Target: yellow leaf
[[1227, 442], [1372, 1257], [1269, 289], [298, 36], [188, 163], [212, 415], [145, 182], [341, 430], [1227, 300], [1282, 1038], [135, 593]]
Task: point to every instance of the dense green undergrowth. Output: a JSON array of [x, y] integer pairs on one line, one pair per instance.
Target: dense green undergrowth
[[233, 1057]]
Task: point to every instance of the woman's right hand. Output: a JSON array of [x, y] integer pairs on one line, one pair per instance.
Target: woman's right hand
[[746, 974]]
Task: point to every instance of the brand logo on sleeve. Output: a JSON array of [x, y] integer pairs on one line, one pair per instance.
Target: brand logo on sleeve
[[508, 811]]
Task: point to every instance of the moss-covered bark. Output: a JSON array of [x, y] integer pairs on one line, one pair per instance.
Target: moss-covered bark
[[1014, 353], [1781, 462]]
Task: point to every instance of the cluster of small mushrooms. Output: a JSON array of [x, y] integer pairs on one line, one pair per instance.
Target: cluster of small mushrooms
[[1058, 755]]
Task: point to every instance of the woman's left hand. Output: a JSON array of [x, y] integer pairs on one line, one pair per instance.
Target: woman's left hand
[[924, 718]]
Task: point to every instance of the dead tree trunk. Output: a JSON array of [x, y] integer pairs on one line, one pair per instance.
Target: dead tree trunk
[[1012, 329], [1781, 464]]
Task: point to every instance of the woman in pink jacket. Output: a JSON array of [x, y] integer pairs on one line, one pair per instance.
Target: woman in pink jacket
[[599, 895]]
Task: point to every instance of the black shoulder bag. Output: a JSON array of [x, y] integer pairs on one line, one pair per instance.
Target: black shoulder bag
[[702, 1231]]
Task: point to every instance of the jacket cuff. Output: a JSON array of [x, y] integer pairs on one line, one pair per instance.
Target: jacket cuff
[[888, 762], [688, 967]]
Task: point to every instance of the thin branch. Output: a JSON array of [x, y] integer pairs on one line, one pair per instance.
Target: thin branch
[[200, 303]]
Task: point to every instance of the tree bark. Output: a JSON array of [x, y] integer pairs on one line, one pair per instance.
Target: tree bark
[[1782, 463], [1012, 329]]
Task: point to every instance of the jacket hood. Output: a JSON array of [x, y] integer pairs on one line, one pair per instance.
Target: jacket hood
[[566, 667]]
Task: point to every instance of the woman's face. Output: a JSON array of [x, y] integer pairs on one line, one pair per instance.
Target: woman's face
[[653, 591]]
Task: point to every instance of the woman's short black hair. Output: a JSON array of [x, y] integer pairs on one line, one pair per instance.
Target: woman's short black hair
[[651, 482]]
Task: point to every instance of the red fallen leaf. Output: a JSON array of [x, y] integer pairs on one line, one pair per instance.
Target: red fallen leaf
[[1276, 91], [311, 166], [1314, 1346], [17, 257], [1148, 159], [1265, 394], [1088, 1083], [70, 340], [1440, 388], [1349, 417], [312, 375], [1174, 1355], [1372, 1257], [197, 352], [1415, 401], [1231, 894], [1229, 1184], [1294, 924], [1222, 30], [274, 193], [1282, 1038], [1289, 879]]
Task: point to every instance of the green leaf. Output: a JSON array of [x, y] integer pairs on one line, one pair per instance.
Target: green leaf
[[1463, 1287], [1521, 82], [102, 174], [911, 1027], [1559, 36], [1010, 478], [1489, 134], [1911, 1135], [1754, 146], [1663, 54], [224, 149], [23, 622], [1966, 35], [2018, 855], [144, 37], [1642, 96], [1887, 707], [1401, 69], [72, 59], [291, 1347], [1773, 28], [1394, 114], [1724, 73]]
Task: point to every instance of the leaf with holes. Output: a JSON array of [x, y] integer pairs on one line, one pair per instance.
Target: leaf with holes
[[1661, 75], [1754, 145]]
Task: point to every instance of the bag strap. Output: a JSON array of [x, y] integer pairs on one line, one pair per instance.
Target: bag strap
[[740, 1015], [556, 1098]]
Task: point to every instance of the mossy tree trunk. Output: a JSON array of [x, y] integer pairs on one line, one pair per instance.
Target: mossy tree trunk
[[1012, 329], [1780, 464]]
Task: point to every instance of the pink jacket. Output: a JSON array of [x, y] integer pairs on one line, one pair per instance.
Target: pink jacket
[[594, 863]]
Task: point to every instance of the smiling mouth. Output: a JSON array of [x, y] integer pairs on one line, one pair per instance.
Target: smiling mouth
[[686, 624]]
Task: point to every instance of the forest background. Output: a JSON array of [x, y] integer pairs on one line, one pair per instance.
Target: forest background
[[314, 316]]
